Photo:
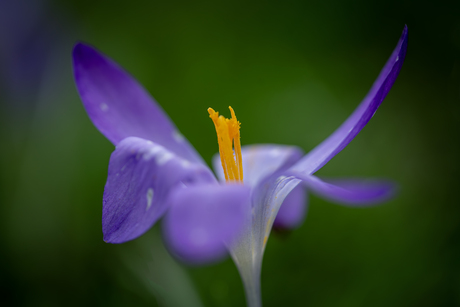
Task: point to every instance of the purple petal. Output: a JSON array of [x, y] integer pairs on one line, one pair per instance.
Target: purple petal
[[261, 161], [140, 177], [325, 151], [293, 210], [203, 218], [351, 192], [120, 107]]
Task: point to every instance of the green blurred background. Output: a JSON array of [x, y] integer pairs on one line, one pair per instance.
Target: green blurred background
[[293, 71]]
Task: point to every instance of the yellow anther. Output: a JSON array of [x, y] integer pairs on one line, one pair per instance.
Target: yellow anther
[[228, 137]]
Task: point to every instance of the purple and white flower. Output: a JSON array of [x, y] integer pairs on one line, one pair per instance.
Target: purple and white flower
[[155, 172]]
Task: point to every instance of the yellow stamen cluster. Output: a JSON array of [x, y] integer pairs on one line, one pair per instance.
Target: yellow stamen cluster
[[228, 136]]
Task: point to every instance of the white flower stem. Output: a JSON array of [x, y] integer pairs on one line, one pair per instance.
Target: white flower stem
[[253, 295], [251, 282]]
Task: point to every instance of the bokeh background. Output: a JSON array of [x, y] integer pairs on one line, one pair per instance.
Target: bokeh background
[[293, 71]]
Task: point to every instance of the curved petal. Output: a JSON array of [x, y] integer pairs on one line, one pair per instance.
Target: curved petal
[[202, 218], [293, 210], [140, 177], [120, 107], [337, 141], [247, 252], [351, 192], [261, 161]]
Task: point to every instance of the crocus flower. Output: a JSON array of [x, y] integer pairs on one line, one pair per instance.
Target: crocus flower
[[154, 169], [155, 172]]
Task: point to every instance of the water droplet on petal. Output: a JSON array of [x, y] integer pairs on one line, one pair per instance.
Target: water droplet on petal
[[149, 198], [178, 137], [163, 157], [104, 107]]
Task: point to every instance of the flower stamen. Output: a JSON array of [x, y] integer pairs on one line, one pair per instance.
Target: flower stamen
[[228, 137]]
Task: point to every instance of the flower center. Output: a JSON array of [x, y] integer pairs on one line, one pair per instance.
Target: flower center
[[228, 137]]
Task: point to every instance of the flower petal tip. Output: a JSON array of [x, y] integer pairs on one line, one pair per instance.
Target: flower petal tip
[[341, 137], [82, 52], [354, 192], [400, 53]]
